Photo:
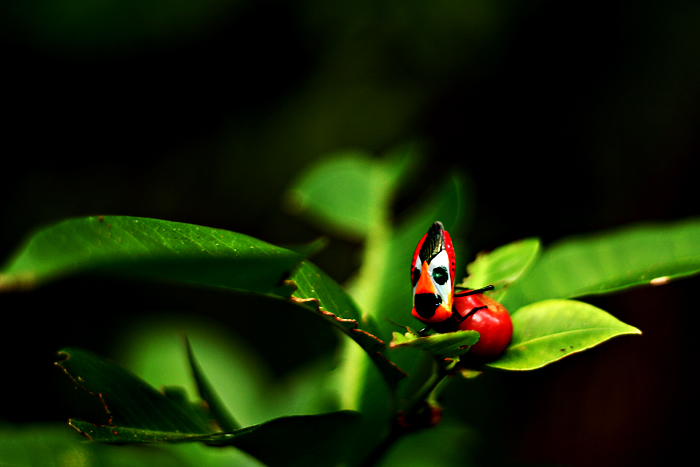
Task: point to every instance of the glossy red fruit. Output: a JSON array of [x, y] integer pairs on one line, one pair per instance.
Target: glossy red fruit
[[492, 323]]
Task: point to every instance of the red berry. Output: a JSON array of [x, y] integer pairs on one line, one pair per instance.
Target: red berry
[[492, 323]]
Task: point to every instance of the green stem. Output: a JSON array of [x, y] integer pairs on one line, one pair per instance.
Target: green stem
[[381, 449], [427, 393]]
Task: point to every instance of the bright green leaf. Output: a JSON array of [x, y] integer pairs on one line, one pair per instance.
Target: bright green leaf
[[208, 394], [502, 266], [347, 192], [611, 261], [153, 249], [547, 331], [448, 344]]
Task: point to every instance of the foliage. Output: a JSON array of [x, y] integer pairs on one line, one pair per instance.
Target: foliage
[[384, 392]]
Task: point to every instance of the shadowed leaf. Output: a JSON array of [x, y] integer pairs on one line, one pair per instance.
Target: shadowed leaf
[[282, 442], [128, 400], [151, 249]]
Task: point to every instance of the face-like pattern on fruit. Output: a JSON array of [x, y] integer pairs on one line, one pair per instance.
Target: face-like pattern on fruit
[[432, 276]]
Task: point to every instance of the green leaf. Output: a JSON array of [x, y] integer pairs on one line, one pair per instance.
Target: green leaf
[[547, 331], [323, 295], [32, 445], [129, 401], [502, 266], [282, 442], [299, 441], [449, 344], [153, 249], [610, 261], [139, 414], [347, 192], [206, 391]]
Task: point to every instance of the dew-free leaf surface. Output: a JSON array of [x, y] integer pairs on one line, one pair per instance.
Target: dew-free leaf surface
[[151, 249], [547, 331], [450, 344], [140, 414], [610, 261], [502, 266]]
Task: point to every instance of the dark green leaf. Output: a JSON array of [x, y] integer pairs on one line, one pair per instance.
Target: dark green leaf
[[449, 344], [128, 400], [140, 414], [547, 331], [610, 261], [150, 248], [323, 295], [282, 442]]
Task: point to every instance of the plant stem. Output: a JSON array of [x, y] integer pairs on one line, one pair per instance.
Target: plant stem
[[381, 449], [427, 393]]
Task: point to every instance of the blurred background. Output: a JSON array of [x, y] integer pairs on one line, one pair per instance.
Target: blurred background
[[565, 118]]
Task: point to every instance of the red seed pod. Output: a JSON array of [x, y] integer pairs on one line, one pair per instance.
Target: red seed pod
[[493, 324]]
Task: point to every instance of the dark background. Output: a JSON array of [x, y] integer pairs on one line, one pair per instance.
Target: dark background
[[567, 118]]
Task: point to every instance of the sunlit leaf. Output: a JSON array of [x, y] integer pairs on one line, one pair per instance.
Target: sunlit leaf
[[445, 345], [547, 331], [347, 192], [610, 261], [502, 266], [152, 249]]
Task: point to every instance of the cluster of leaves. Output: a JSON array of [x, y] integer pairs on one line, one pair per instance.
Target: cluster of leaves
[[349, 195]]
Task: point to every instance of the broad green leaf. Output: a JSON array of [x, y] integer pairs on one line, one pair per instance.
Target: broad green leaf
[[547, 331], [502, 266], [128, 400], [611, 261], [347, 192], [153, 249], [283, 442], [449, 344]]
